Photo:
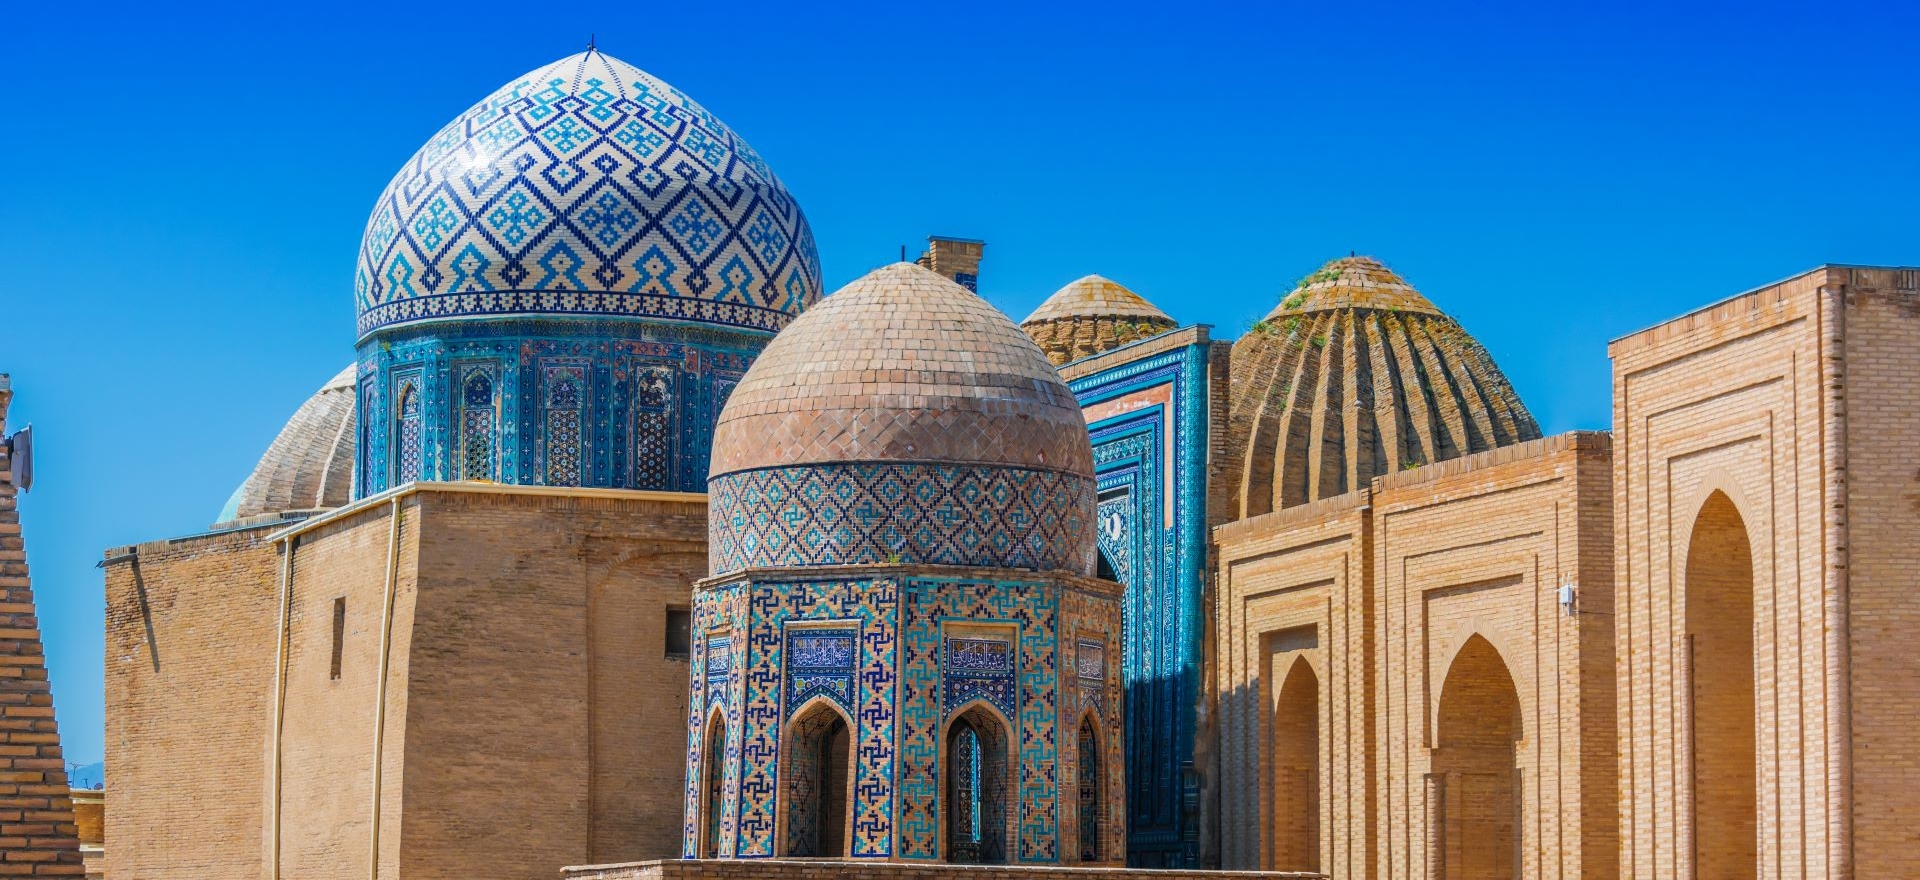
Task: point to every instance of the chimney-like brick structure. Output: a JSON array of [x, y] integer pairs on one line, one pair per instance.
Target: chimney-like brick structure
[[956, 258], [38, 837]]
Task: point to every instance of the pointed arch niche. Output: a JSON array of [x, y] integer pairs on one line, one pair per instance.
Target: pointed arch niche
[[1479, 730], [977, 785], [816, 781], [1719, 660]]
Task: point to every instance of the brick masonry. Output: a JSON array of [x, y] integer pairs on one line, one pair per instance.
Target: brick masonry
[[1380, 594], [38, 835], [518, 615], [817, 869], [1796, 404]]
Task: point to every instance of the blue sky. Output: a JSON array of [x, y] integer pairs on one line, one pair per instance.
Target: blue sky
[[186, 186]]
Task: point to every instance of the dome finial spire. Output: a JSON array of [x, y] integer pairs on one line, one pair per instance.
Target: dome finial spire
[[590, 41]]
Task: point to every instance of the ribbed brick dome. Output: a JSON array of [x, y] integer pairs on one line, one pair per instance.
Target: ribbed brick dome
[[309, 466], [1090, 316], [1355, 375], [902, 420]]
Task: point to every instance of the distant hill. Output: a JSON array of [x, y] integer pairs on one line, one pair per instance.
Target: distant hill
[[92, 775]]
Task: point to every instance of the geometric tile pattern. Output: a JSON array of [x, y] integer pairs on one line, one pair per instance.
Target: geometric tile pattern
[[885, 641], [586, 187], [978, 669], [1150, 448], [943, 514], [636, 410], [820, 662], [1087, 626], [1030, 607]]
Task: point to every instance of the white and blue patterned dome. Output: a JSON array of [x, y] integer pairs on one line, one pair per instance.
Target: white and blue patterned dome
[[586, 188]]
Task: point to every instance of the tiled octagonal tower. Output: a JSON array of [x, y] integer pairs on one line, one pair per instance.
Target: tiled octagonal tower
[[901, 652]]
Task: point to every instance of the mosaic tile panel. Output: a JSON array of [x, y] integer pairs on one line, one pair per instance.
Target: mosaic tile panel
[[820, 662], [716, 682], [873, 604], [1093, 624], [1148, 421], [1028, 605], [978, 669], [648, 400], [586, 187], [476, 432], [914, 513]]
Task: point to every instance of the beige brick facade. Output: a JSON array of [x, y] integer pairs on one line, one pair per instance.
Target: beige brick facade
[[1784, 416], [527, 716], [1463, 721]]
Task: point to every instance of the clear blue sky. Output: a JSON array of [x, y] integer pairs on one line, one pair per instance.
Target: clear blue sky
[[185, 186]]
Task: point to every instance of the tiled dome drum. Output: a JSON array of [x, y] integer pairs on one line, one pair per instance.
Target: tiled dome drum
[[563, 285], [587, 176], [903, 419]]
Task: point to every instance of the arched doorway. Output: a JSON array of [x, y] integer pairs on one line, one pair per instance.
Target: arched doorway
[[1087, 746], [815, 782], [1720, 660], [713, 768], [1480, 726], [976, 788], [1295, 760]]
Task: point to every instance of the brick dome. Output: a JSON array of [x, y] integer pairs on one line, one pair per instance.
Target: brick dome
[[1090, 316], [309, 466], [902, 419], [902, 365], [1355, 375]]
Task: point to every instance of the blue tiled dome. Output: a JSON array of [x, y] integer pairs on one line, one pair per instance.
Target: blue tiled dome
[[586, 188]]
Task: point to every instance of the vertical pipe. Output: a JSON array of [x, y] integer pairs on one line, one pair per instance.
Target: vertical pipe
[[289, 546], [380, 684], [1835, 599]]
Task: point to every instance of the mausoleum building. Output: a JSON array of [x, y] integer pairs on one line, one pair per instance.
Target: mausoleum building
[[617, 541]]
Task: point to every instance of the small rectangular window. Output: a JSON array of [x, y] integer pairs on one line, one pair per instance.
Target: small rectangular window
[[339, 633], [679, 633]]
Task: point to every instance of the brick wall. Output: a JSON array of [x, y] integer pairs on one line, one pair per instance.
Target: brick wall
[[1295, 585], [772, 869], [1881, 410], [533, 718], [1468, 556], [1736, 401], [1379, 592], [190, 639], [37, 832]]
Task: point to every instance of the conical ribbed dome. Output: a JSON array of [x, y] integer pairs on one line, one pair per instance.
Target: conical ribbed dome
[[1090, 316], [1355, 375]]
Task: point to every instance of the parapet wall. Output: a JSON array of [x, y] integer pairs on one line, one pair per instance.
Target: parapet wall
[[820, 869]]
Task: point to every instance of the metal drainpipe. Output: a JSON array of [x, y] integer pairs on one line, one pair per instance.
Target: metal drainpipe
[[291, 545], [1839, 708], [380, 686]]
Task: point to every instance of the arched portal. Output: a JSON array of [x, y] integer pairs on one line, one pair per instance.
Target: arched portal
[[1720, 647], [976, 787], [815, 782], [1296, 771], [1480, 727], [1092, 784], [713, 767]]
